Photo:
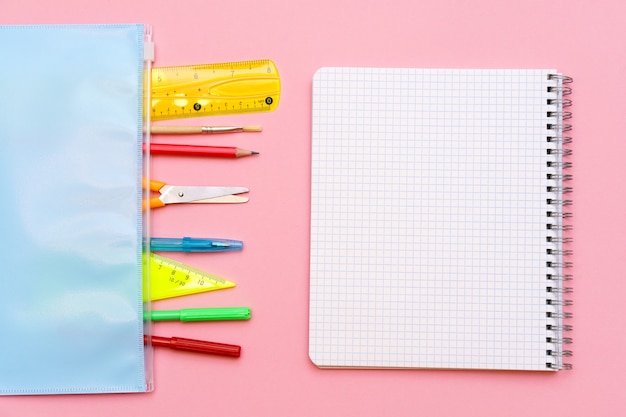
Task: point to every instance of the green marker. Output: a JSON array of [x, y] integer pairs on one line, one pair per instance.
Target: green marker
[[200, 314]]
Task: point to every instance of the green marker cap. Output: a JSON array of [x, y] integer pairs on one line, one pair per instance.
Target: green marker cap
[[201, 314]]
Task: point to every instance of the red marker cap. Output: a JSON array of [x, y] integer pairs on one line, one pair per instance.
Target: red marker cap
[[194, 345]]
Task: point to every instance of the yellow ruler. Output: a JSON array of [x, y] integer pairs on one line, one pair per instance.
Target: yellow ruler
[[214, 89], [170, 278]]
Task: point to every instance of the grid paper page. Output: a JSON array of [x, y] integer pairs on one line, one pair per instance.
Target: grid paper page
[[428, 218]]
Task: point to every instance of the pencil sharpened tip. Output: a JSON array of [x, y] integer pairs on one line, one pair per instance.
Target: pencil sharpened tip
[[253, 153]]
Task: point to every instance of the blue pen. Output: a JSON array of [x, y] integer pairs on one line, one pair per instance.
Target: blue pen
[[190, 244]]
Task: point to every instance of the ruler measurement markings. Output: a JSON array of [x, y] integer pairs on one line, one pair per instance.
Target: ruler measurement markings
[[170, 278], [211, 89]]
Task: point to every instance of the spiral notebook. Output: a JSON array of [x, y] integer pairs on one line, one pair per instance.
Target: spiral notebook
[[439, 221]]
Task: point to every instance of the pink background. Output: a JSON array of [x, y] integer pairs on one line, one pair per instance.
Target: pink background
[[274, 376]]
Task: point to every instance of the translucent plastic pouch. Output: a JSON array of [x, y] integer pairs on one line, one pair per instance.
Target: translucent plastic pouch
[[71, 223]]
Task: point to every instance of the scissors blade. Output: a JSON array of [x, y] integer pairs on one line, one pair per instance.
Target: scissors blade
[[171, 194], [223, 199]]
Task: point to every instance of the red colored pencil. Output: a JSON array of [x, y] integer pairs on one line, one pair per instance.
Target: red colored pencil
[[196, 150]]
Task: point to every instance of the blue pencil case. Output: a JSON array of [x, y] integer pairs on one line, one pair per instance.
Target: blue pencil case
[[71, 129]]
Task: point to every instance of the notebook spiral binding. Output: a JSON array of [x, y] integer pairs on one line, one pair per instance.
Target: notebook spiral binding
[[558, 225]]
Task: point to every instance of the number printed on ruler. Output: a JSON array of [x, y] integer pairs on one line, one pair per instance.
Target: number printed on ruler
[[170, 278], [214, 89]]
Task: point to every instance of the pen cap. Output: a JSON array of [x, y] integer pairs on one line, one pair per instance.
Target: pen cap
[[203, 346], [190, 244], [193, 345], [215, 245], [204, 314]]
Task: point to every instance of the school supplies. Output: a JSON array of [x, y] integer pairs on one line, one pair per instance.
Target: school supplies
[[198, 150], [193, 345], [194, 244], [214, 89], [74, 225], [174, 194], [170, 278], [439, 221], [193, 130], [199, 314]]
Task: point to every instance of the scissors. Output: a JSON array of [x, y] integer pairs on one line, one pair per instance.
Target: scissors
[[171, 194]]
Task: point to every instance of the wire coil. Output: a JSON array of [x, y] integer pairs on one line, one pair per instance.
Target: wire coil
[[557, 225]]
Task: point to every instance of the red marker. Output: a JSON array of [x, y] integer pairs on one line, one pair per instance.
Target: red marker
[[194, 345], [197, 150]]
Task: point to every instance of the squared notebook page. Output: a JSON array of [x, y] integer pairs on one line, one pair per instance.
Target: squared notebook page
[[428, 218]]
